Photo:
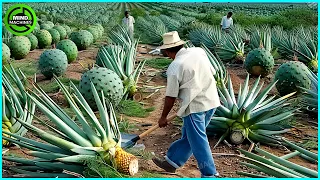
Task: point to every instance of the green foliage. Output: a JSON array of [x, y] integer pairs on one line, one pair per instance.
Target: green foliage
[[125, 125], [158, 63], [212, 18], [53, 86], [133, 109], [143, 154], [155, 13], [138, 12], [97, 168], [288, 19], [165, 12], [28, 66], [309, 143], [296, 17]]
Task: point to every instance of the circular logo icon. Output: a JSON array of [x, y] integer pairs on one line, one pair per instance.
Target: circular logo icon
[[20, 19]]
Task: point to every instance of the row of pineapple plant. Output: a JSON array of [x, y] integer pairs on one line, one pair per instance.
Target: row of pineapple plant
[[253, 115], [232, 46], [109, 150]]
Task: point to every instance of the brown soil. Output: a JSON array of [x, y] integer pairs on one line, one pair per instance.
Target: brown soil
[[159, 141]]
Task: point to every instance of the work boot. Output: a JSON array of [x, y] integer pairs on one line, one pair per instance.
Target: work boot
[[163, 164]]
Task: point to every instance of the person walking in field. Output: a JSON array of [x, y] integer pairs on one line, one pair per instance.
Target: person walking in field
[[128, 21], [226, 22], [189, 78]]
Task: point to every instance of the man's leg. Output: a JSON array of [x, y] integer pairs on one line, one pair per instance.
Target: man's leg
[[178, 153], [196, 133]]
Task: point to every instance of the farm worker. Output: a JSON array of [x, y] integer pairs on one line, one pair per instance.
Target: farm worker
[[128, 21], [189, 78], [226, 22]]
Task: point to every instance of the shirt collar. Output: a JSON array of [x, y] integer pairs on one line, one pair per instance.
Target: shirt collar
[[181, 51]]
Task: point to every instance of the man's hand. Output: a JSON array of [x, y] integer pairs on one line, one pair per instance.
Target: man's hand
[[163, 122], [168, 104]]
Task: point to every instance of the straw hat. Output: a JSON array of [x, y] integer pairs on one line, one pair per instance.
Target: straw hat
[[171, 39]]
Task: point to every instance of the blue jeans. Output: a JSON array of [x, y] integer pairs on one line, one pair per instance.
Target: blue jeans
[[194, 141]]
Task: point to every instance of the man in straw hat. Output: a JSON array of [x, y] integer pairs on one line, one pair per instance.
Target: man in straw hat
[[189, 78]]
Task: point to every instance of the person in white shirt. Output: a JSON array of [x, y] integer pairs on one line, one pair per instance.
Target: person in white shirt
[[128, 21], [190, 77], [226, 22]]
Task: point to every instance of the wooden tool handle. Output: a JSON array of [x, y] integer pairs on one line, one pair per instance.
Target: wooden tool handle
[[155, 127]]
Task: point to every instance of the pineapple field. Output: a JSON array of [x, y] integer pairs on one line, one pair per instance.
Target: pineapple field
[[79, 85]]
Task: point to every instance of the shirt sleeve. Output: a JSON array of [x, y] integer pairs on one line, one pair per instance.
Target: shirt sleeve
[[231, 22], [133, 21], [172, 86], [221, 21]]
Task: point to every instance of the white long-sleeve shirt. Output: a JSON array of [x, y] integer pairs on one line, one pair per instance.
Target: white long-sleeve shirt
[[128, 21], [226, 22], [190, 78]]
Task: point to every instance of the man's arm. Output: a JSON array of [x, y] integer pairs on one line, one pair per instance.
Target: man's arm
[[168, 104], [172, 93], [221, 22]]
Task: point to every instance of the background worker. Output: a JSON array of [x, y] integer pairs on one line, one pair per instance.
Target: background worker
[[226, 22], [128, 21]]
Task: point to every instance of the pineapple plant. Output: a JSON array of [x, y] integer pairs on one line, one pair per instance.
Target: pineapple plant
[[96, 33], [69, 48], [20, 47], [53, 62], [83, 39], [231, 48], [151, 29], [205, 34], [50, 24], [171, 24], [45, 26], [301, 43], [6, 35], [67, 28], [55, 36], [251, 115], [290, 76], [280, 167], [62, 31], [100, 27], [16, 105], [122, 62], [33, 40], [120, 35], [75, 142], [309, 97], [5, 53], [44, 38], [104, 80], [259, 61]]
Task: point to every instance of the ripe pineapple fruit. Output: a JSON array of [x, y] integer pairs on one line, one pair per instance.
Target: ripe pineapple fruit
[[125, 162]]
